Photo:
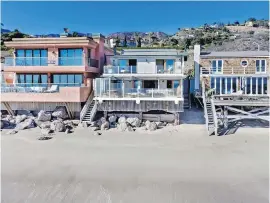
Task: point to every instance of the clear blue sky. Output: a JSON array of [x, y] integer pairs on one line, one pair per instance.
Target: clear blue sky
[[107, 17]]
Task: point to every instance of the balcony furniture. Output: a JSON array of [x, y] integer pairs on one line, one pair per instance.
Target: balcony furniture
[[38, 89], [52, 89]]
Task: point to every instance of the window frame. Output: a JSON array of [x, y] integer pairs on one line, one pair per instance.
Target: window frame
[[260, 66], [217, 60]]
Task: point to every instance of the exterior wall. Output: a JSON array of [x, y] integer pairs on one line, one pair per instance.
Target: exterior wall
[[235, 64], [65, 94], [143, 106], [37, 106], [146, 65]]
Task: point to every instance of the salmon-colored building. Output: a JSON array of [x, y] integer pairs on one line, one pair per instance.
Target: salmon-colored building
[[44, 73]]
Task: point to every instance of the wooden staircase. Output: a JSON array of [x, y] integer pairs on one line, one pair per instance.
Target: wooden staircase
[[89, 110], [209, 113]]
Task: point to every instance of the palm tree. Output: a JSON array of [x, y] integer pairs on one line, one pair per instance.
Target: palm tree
[[117, 41], [138, 39], [125, 41]]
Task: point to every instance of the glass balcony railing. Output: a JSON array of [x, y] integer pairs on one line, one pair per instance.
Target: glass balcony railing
[[137, 93], [26, 61], [35, 87], [44, 61], [70, 61], [120, 69]]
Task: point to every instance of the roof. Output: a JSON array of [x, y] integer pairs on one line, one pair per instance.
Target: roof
[[151, 52], [235, 54]]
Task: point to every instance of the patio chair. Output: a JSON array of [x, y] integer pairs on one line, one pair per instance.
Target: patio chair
[[52, 89]]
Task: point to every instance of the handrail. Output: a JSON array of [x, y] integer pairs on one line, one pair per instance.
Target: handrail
[[214, 114], [86, 105], [204, 104], [93, 110], [214, 70]]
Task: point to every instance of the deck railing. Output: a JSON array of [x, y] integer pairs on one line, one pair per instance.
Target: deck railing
[[229, 71], [26, 61], [44, 61], [138, 93], [158, 69], [35, 88]]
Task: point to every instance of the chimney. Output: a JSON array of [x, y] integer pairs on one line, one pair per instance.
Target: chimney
[[197, 53]]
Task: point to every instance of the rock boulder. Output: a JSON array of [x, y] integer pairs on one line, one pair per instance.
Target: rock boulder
[[105, 126], [60, 112], [58, 126], [134, 122], [43, 116], [20, 118]]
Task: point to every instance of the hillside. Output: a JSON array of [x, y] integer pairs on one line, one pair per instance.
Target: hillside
[[251, 35]]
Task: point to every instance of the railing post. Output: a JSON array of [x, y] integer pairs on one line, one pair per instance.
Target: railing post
[[152, 93], [118, 70]]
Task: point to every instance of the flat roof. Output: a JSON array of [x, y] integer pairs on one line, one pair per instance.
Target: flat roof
[[235, 54], [150, 52]]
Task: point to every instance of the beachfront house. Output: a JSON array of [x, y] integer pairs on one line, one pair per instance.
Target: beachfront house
[[140, 81], [230, 80], [44, 73]]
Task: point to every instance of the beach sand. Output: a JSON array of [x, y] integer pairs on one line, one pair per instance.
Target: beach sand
[[178, 164]]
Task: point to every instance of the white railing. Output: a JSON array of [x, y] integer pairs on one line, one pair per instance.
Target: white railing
[[35, 88], [86, 106], [158, 69], [138, 93], [231, 70], [120, 69]]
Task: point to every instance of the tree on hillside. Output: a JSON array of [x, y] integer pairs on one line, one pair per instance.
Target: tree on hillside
[[138, 39], [125, 41], [174, 42], [252, 19], [117, 41], [236, 23], [187, 42], [75, 34]]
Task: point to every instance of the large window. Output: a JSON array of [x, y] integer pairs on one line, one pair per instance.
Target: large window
[[32, 79], [217, 66], [260, 66], [70, 57], [31, 57], [68, 79]]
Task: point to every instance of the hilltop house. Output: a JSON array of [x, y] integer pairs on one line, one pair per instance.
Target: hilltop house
[[139, 81]]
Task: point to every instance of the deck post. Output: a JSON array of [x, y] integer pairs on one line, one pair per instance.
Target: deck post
[[225, 117], [140, 115], [176, 118]]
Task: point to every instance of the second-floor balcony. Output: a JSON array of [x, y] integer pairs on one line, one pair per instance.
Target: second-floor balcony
[[45, 61], [44, 92], [158, 69], [232, 70]]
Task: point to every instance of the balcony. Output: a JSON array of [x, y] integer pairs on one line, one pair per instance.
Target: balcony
[[230, 71], [45, 65], [134, 70], [26, 61], [135, 93], [120, 69], [26, 92], [68, 61]]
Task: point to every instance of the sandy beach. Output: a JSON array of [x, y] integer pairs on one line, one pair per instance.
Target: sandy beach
[[174, 164]]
